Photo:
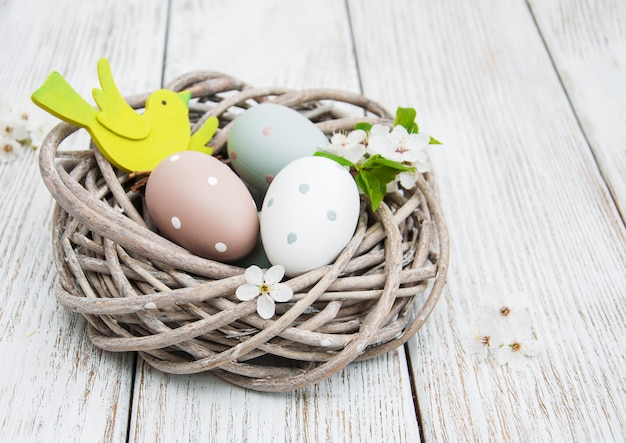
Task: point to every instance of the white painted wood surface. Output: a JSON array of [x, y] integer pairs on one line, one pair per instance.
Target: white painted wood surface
[[531, 178], [55, 386], [587, 41], [528, 209]]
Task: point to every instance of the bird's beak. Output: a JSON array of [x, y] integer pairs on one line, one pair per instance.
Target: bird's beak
[[185, 96]]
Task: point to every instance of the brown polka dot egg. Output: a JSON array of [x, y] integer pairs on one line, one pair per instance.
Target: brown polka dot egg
[[199, 203]]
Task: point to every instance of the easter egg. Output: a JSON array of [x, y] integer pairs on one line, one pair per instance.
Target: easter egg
[[199, 203], [309, 214], [265, 138], [255, 257]]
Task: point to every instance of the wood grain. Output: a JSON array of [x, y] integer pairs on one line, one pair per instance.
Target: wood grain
[[528, 209], [55, 386], [587, 43], [365, 402], [294, 44]]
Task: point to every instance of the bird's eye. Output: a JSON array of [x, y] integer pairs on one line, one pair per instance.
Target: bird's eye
[[163, 102]]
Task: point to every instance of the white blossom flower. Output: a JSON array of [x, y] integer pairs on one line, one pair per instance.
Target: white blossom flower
[[514, 347], [10, 150], [502, 325], [21, 127], [382, 159], [398, 145], [506, 311], [266, 287], [13, 127], [348, 146], [482, 336]]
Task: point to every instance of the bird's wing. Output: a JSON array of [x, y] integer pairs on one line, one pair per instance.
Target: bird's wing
[[203, 135], [117, 115]]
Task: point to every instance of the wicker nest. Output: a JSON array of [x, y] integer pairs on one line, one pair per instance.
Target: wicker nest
[[140, 292]]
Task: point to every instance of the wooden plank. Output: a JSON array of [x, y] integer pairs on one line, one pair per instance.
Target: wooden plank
[[294, 44], [54, 385], [527, 209], [365, 402], [588, 46], [273, 43]]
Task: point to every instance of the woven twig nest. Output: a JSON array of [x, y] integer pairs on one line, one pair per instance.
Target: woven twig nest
[[140, 292]]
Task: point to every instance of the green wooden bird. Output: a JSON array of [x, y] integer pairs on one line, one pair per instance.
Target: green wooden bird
[[129, 140]]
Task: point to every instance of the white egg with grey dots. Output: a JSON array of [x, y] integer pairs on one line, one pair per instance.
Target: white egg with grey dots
[[309, 214]]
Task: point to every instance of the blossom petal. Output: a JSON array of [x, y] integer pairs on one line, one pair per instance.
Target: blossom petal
[[324, 147], [281, 292], [503, 354], [407, 180], [13, 128], [380, 145], [418, 141], [423, 167], [480, 337], [10, 150], [354, 154], [392, 187], [416, 156], [356, 137], [379, 130], [254, 275], [274, 274], [517, 317], [398, 133], [479, 350], [265, 306], [338, 139], [247, 292]]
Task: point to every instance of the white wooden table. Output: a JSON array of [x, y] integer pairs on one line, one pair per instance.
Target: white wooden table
[[530, 101]]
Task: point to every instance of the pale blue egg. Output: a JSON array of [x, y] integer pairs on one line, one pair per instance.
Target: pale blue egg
[[265, 138]]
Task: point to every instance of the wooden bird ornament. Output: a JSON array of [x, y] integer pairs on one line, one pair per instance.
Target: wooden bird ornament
[[131, 141]]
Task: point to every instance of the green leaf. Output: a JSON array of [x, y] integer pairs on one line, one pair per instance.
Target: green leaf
[[372, 186], [360, 183], [342, 161], [383, 169], [406, 117], [366, 182], [377, 198], [364, 126], [384, 174], [379, 160], [375, 173], [434, 141]]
